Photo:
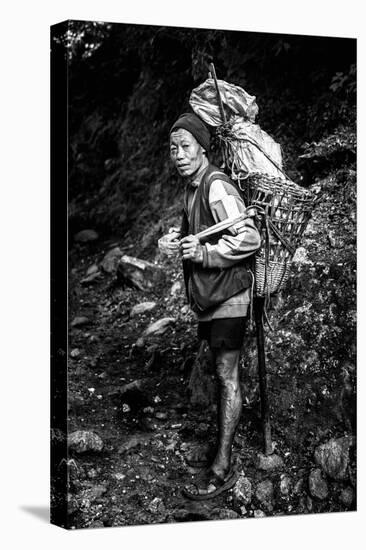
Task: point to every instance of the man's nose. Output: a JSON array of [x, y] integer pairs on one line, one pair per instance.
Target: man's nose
[[180, 153]]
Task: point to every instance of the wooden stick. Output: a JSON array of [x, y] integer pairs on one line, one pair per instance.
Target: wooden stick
[[229, 222], [258, 313], [221, 106]]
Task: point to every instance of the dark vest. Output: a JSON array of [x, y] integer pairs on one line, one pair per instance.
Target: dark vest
[[208, 287]]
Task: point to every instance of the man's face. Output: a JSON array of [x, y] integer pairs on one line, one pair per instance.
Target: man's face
[[186, 153]]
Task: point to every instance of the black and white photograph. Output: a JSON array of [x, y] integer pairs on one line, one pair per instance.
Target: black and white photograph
[[204, 192]]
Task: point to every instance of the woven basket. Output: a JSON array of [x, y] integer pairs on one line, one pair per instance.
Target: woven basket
[[286, 208]]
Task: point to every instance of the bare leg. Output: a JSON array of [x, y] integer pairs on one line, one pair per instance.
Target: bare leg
[[229, 406]]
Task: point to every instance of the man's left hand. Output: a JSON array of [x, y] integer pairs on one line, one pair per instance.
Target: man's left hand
[[192, 249]]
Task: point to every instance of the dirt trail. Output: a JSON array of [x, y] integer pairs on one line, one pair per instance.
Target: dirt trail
[[149, 430]]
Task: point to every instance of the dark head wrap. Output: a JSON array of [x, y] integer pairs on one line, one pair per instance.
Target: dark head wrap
[[193, 124]]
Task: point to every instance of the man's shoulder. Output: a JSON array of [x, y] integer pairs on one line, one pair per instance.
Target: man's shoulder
[[215, 177], [214, 173]]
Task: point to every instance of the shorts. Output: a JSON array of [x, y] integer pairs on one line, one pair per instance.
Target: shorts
[[228, 333]]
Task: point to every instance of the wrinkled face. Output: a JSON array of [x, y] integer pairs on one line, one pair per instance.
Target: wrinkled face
[[186, 153]]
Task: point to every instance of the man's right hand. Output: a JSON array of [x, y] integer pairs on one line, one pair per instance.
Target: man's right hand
[[169, 244]]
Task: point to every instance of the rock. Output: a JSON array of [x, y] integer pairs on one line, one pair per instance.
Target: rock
[[119, 476], [333, 457], [298, 486], [243, 510], [138, 273], [195, 511], [91, 279], [259, 514], [159, 327], [131, 386], [92, 269], [133, 441], [318, 487], [91, 494], [225, 513], [92, 473], [285, 484], [347, 496], [156, 506], [110, 261], [161, 415], [75, 353], [144, 307], [79, 321], [83, 442], [97, 524], [309, 504], [85, 236], [264, 493], [197, 452], [268, 463], [243, 490], [175, 288], [140, 342]]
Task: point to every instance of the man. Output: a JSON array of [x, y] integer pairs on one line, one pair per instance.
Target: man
[[218, 281]]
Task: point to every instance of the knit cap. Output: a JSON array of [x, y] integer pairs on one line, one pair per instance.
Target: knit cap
[[193, 124]]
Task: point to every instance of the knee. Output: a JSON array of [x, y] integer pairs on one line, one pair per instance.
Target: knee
[[227, 370]]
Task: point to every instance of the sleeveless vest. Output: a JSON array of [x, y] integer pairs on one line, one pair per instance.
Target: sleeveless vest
[[207, 287]]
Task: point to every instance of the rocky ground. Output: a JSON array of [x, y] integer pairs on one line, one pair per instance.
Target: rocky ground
[[134, 417]]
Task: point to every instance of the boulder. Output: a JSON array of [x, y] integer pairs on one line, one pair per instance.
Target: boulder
[[91, 279], [159, 327], [79, 321], [93, 493], [243, 490], [264, 493], [285, 485], [268, 463], [144, 307], [333, 457], [92, 269], [347, 496], [86, 235], [138, 273], [318, 487], [83, 442], [110, 261], [156, 506], [133, 441], [176, 288], [259, 514], [225, 513]]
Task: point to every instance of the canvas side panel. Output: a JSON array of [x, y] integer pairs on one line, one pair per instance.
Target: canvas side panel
[[59, 298]]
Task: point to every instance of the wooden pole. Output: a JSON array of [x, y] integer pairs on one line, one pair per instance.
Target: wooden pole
[[219, 100], [258, 307]]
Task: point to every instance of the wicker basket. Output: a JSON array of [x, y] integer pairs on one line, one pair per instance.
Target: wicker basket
[[286, 209]]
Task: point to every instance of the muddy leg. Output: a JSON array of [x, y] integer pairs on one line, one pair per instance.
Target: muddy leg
[[229, 406]]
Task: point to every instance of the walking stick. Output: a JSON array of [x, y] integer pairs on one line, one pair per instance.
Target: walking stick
[[258, 307]]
